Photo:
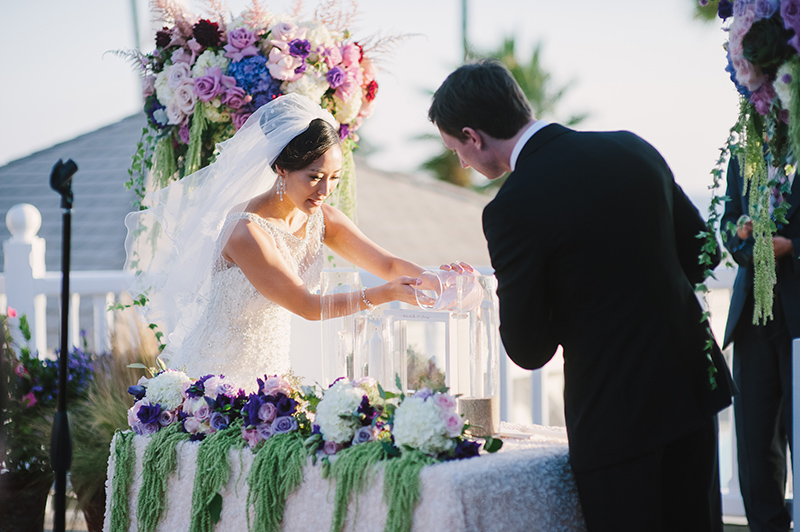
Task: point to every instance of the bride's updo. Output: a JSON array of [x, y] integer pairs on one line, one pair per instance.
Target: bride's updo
[[308, 146]]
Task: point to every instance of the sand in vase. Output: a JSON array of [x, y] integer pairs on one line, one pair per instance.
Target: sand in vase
[[482, 414]]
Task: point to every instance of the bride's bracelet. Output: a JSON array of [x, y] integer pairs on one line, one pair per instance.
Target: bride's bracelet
[[366, 301]]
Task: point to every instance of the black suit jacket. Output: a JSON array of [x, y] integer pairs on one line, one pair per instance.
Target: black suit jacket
[[594, 249], [787, 269]]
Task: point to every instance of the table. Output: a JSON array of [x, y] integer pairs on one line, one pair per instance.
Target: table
[[527, 486]]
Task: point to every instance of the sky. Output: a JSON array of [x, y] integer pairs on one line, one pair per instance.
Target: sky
[[646, 67]]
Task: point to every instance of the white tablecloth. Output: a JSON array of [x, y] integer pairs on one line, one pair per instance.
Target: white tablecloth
[[527, 486]]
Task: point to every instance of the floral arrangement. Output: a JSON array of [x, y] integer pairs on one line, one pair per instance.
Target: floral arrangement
[[763, 52], [29, 396], [207, 75]]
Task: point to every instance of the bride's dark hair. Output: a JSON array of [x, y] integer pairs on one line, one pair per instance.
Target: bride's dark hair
[[308, 146]]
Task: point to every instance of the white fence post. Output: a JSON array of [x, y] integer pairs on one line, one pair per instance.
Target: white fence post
[[23, 265]]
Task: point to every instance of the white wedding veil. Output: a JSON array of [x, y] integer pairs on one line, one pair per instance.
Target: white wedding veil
[[171, 245]]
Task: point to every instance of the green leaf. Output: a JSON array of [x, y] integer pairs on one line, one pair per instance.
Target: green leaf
[[215, 508], [137, 365], [492, 445], [381, 392], [390, 449]]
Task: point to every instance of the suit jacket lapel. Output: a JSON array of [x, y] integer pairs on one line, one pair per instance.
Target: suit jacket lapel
[[542, 137]]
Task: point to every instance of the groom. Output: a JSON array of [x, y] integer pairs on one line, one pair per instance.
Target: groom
[[594, 248]]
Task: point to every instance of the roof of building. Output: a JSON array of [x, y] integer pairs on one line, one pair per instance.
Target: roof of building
[[417, 218]]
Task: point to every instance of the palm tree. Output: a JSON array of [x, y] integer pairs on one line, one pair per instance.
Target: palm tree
[[536, 84]]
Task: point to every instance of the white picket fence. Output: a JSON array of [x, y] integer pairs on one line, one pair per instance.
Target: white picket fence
[[526, 396]]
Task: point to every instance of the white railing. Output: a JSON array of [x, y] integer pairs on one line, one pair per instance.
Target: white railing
[[25, 284]]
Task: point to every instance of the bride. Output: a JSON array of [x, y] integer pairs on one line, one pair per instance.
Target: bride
[[227, 253]]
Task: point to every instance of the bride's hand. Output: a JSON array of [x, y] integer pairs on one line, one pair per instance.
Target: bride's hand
[[401, 289], [459, 267]]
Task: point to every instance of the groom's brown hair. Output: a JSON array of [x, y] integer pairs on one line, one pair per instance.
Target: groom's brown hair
[[481, 95]]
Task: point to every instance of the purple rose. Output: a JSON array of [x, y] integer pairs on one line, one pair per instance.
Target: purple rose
[[766, 8], [364, 435], [240, 44], [203, 411], [344, 131], [267, 413], [795, 42], [149, 428], [235, 97], [331, 447], [167, 417], [264, 430], [300, 48], [207, 87], [239, 119], [335, 77], [149, 414], [184, 134], [219, 421], [284, 424], [790, 12]]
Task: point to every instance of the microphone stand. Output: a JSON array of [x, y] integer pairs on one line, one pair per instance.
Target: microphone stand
[[61, 443]]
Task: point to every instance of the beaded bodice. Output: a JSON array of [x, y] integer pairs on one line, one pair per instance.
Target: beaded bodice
[[241, 334]]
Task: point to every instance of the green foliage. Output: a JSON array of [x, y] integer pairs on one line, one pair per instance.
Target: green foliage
[[353, 471], [123, 477], [160, 459], [401, 488]]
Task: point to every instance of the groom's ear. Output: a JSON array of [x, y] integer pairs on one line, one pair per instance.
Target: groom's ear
[[473, 135]]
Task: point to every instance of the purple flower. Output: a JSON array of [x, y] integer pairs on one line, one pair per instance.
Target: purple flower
[[364, 435], [240, 44], [766, 8], [235, 97], [331, 447], [185, 136], [264, 430], [300, 48], [149, 414], [790, 12], [251, 409], [795, 42], [285, 405], [204, 410], [703, 3], [335, 77], [267, 413], [740, 7], [423, 393], [725, 9], [367, 409], [284, 424], [239, 119], [167, 417], [466, 449], [344, 131], [212, 84], [762, 98], [219, 421], [137, 391]]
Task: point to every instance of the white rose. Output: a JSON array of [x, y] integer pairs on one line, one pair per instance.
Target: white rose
[[178, 74]]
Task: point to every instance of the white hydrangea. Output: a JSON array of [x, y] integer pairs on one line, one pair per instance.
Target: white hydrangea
[[417, 424], [317, 34], [166, 389], [164, 92], [347, 111], [313, 84], [782, 89], [341, 398], [210, 59], [211, 110]]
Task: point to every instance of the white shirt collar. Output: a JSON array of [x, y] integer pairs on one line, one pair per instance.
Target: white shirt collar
[[536, 126]]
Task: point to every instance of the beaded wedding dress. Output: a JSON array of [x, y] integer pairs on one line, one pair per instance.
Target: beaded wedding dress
[[241, 334]]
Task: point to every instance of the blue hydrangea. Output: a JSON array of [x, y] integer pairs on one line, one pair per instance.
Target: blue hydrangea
[[741, 88], [252, 75]]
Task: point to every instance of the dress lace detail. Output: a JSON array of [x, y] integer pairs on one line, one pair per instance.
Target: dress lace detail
[[242, 334]]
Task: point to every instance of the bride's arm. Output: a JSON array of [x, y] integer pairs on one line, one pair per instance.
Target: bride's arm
[[255, 252], [347, 240]]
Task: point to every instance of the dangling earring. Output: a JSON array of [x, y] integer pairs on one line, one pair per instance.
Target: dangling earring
[[281, 187]]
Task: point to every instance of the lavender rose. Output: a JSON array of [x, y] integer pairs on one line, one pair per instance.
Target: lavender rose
[[149, 428], [167, 417], [790, 12], [331, 447], [203, 411], [185, 98], [364, 435], [239, 119], [264, 431], [267, 413], [178, 74], [235, 97], [219, 421], [207, 88], [284, 424], [766, 8]]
